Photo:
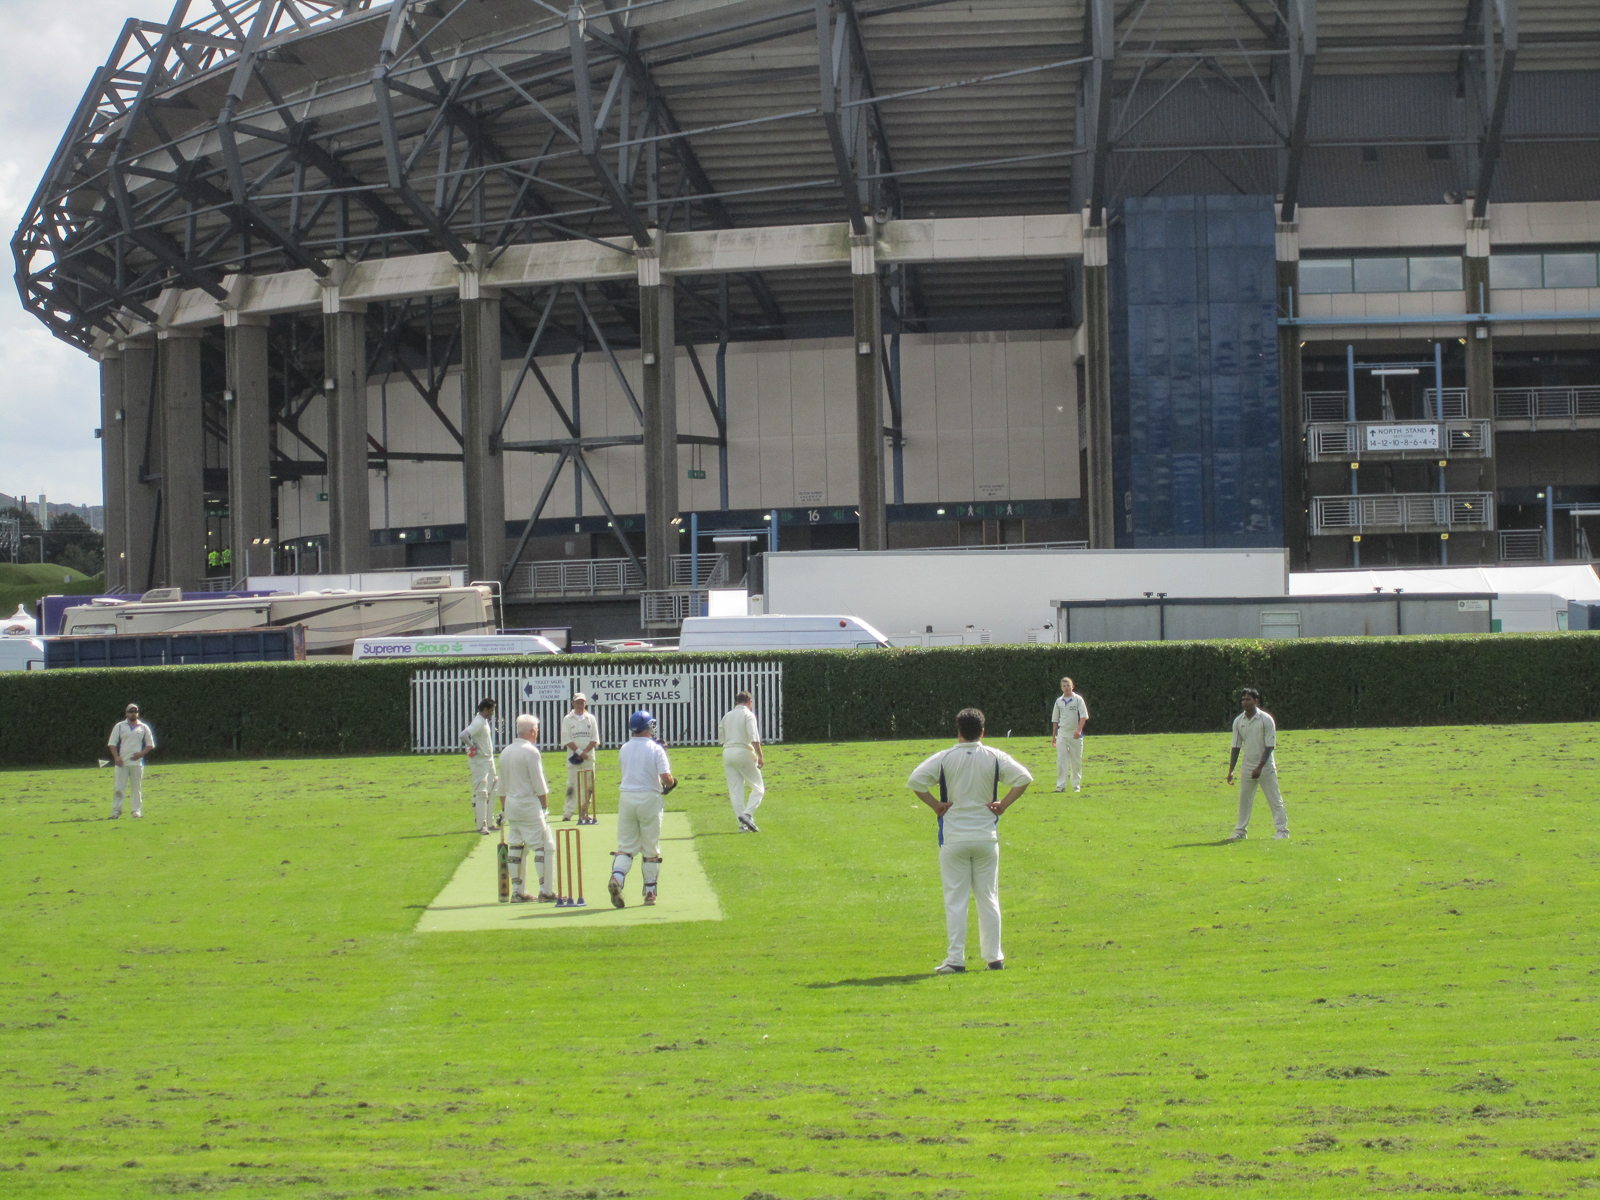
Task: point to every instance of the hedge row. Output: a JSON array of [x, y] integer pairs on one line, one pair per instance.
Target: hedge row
[[255, 710]]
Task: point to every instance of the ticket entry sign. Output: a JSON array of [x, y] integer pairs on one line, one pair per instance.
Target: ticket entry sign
[[639, 690], [1402, 437]]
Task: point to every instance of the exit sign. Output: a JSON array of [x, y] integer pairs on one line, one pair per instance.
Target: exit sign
[[696, 474], [322, 495]]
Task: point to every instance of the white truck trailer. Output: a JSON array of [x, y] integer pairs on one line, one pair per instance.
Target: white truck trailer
[[1010, 593], [334, 620]]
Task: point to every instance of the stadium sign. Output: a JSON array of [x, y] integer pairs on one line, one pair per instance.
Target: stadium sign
[[643, 690], [1402, 437]]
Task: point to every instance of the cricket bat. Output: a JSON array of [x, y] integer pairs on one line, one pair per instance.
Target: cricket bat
[[503, 857]]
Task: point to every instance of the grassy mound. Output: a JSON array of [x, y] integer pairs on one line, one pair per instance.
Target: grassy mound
[[24, 583], [229, 996]]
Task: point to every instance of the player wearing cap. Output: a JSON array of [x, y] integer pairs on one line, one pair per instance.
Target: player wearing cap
[[646, 778], [742, 760], [968, 777], [130, 743], [1255, 735], [479, 739], [1067, 720], [523, 791], [580, 735]]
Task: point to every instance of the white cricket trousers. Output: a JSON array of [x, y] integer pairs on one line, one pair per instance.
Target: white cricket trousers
[[128, 781], [528, 831], [483, 783], [1247, 799], [639, 823], [570, 808], [971, 868], [1069, 761], [739, 766]]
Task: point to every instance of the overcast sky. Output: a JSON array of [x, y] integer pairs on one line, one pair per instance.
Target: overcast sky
[[49, 391]]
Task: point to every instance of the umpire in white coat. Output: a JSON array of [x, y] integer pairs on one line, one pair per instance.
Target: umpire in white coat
[[968, 777], [523, 791]]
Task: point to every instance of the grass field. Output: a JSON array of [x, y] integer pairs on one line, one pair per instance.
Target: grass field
[[228, 997], [24, 583]]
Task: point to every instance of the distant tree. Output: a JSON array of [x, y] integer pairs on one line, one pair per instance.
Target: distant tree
[[70, 542]]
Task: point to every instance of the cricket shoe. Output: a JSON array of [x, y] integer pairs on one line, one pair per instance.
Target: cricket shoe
[[521, 898], [484, 829], [615, 888], [949, 969], [1234, 837], [547, 897], [747, 823], [1284, 836], [1077, 789], [998, 964], [649, 899]]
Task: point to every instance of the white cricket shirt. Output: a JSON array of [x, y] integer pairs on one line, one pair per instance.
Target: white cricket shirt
[[130, 739], [522, 779], [643, 761], [479, 736], [1253, 736], [740, 729], [580, 729], [974, 776], [1067, 713]]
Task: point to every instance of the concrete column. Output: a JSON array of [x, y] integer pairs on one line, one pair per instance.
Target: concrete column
[[249, 441], [1479, 475], [484, 467], [113, 468], [1099, 492], [183, 460], [658, 347], [1296, 501], [344, 342], [141, 469], [867, 311]]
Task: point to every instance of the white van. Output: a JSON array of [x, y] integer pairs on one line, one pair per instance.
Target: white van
[[779, 633], [453, 647], [21, 654]]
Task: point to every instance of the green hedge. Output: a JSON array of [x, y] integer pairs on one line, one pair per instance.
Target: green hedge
[[252, 710]]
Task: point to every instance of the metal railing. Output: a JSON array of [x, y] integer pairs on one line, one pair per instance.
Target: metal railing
[[1548, 403], [1455, 402], [1402, 512], [1399, 439], [1021, 546], [1521, 545], [217, 583], [1326, 406], [556, 578], [666, 608]]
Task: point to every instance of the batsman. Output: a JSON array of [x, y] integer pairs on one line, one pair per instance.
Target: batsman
[[523, 791]]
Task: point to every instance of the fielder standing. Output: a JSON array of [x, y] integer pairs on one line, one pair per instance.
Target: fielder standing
[[646, 778], [968, 776], [580, 734], [1067, 720], [1255, 734], [479, 739], [742, 760], [523, 791], [130, 743]]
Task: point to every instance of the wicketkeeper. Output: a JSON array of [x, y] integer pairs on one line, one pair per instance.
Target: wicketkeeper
[[479, 739], [580, 737]]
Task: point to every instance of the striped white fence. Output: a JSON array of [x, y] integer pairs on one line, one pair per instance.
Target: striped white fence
[[687, 701]]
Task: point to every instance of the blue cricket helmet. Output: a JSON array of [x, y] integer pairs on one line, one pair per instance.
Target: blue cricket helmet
[[641, 722]]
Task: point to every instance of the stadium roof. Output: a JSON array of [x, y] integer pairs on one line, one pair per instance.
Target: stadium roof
[[255, 136]]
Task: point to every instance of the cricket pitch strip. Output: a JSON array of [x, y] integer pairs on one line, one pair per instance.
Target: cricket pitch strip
[[467, 903]]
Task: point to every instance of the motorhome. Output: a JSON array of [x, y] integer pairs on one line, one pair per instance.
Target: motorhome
[[21, 654], [453, 647], [334, 620], [835, 632]]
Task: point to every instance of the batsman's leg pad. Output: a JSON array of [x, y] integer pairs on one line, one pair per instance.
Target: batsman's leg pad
[[541, 869], [651, 869], [518, 852], [621, 864]]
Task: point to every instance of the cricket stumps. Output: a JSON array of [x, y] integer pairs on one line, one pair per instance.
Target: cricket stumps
[[569, 866]]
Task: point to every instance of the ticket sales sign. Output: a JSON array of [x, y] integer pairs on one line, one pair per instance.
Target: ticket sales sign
[[642, 690], [1402, 437]]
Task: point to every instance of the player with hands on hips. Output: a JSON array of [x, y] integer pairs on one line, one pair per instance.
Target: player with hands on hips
[[130, 744], [968, 776], [523, 802], [1255, 736], [646, 778], [479, 739], [742, 760], [580, 737], [1067, 719]]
